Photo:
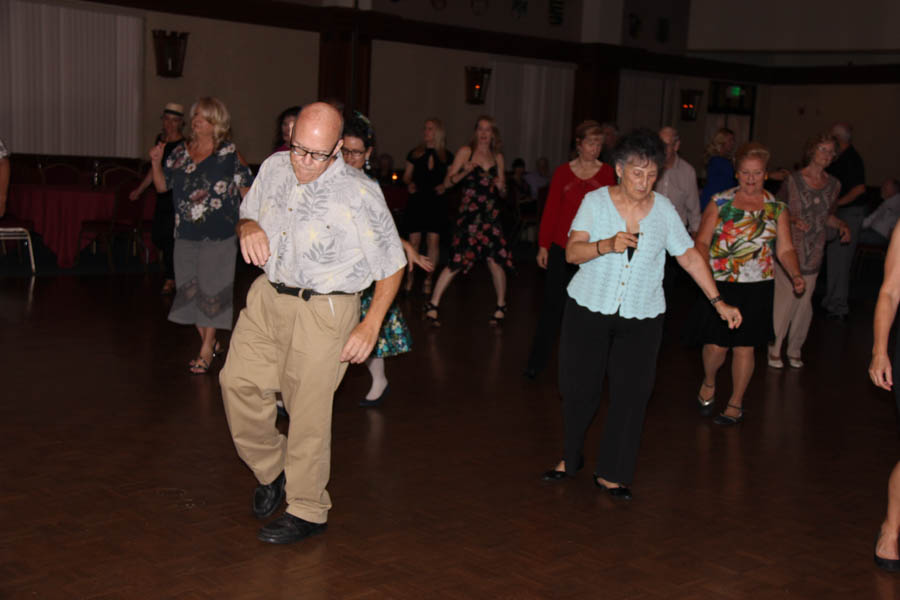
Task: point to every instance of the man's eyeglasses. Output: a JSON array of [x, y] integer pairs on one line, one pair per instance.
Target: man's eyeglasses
[[300, 151], [347, 152]]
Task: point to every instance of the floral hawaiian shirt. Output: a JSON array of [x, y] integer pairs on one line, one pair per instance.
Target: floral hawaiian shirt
[[206, 196], [743, 244]]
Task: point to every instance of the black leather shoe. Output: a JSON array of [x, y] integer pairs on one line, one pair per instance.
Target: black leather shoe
[[377, 401], [620, 492], [288, 529], [554, 475], [888, 564], [267, 498]]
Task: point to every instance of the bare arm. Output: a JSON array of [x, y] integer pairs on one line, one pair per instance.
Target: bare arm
[[885, 311], [500, 180], [407, 177], [841, 226], [854, 193], [159, 179], [580, 249], [460, 164], [363, 337], [697, 266], [787, 255], [707, 227], [4, 184]]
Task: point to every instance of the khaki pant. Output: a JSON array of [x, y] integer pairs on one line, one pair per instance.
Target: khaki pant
[[287, 344], [791, 312]]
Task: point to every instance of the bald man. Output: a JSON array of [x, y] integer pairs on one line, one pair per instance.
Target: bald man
[[678, 181], [322, 233]]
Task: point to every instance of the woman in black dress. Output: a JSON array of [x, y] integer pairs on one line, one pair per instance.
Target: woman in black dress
[[478, 233], [426, 168]]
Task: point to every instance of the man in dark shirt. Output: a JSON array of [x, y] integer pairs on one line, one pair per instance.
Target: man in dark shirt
[[849, 170]]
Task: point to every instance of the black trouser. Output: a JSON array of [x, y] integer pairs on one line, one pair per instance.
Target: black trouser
[[163, 232], [559, 273], [592, 345]]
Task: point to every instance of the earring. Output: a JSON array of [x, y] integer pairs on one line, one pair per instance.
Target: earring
[[366, 166]]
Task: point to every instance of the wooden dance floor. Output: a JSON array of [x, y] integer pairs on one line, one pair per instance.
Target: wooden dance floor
[[119, 478]]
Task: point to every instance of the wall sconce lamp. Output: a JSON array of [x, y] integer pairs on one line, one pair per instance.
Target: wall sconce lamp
[[690, 104], [477, 79], [169, 48]]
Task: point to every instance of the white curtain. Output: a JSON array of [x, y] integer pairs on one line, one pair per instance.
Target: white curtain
[[532, 104], [70, 80]]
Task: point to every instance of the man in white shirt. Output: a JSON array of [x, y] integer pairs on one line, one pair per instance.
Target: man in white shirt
[[877, 227], [678, 182]]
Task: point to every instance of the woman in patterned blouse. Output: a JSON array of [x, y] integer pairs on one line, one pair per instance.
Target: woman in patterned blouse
[[742, 231], [208, 178]]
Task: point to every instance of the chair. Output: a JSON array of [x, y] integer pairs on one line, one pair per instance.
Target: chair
[[116, 175], [60, 174], [124, 223], [17, 230]]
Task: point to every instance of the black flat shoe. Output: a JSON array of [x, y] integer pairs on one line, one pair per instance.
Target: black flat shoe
[[554, 475], [620, 492], [888, 564], [377, 401], [267, 498], [288, 529], [723, 419]]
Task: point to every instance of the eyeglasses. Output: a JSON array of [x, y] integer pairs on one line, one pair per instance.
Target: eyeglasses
[[826, 150], [300, 151], [347, 152]]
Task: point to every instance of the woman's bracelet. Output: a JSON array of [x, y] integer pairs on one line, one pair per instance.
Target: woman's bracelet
[[598, 248], [714, 300]]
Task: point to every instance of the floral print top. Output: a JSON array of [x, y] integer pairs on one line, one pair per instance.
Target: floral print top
[[206, 195], [743, 245]]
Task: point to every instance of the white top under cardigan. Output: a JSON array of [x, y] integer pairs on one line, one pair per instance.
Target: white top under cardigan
[[612, 283]]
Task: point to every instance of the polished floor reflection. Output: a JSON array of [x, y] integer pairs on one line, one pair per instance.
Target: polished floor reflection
[[120, 479]]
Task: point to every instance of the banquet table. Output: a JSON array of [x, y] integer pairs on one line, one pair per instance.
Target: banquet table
[[58, 211]]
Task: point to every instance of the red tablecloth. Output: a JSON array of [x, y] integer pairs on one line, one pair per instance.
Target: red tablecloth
[[58, 211]]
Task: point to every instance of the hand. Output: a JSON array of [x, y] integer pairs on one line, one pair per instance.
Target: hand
[[135, 194], [844, 233], [156, 153], [413, 258], [880, 372], [440, 189], [411, 187], [799, 284], [542, 258], [360, 343], [799, 224], [622, 241], [729, 314], [254, 243]]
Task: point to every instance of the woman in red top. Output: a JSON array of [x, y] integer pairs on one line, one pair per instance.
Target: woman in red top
[[571, 181]]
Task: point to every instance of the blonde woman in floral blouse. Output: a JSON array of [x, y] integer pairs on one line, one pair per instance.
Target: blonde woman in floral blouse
[[742, 231], [208, 179]]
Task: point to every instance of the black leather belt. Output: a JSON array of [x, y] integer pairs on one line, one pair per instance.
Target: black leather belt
[[304, 293]]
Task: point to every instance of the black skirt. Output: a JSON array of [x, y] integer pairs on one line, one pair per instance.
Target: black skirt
[[754, 300]]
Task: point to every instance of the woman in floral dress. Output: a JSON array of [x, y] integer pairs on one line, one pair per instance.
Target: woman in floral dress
[[478, 233], [394, 337], [743, 230], [207, 178]]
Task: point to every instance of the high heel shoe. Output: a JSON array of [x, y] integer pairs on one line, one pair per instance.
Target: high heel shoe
[[496, 321], [554, 475], [435, 321], [706, 405], [888, 564]]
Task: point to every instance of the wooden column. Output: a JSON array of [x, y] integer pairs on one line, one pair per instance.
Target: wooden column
[[345, 62]]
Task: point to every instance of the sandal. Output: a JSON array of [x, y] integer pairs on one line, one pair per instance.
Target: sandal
[[723, 419], [496, 321], [435, 321], [199, 367]]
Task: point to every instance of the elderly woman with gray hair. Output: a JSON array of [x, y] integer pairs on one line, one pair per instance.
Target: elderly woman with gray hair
[[613, 318], [208, 178]]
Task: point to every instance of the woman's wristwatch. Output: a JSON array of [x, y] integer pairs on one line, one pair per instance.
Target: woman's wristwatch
[[714, 300]]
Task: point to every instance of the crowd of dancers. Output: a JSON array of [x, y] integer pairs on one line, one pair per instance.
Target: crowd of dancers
[[619, 219]]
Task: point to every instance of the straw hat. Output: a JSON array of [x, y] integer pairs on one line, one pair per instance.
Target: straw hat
[[174, 109]]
